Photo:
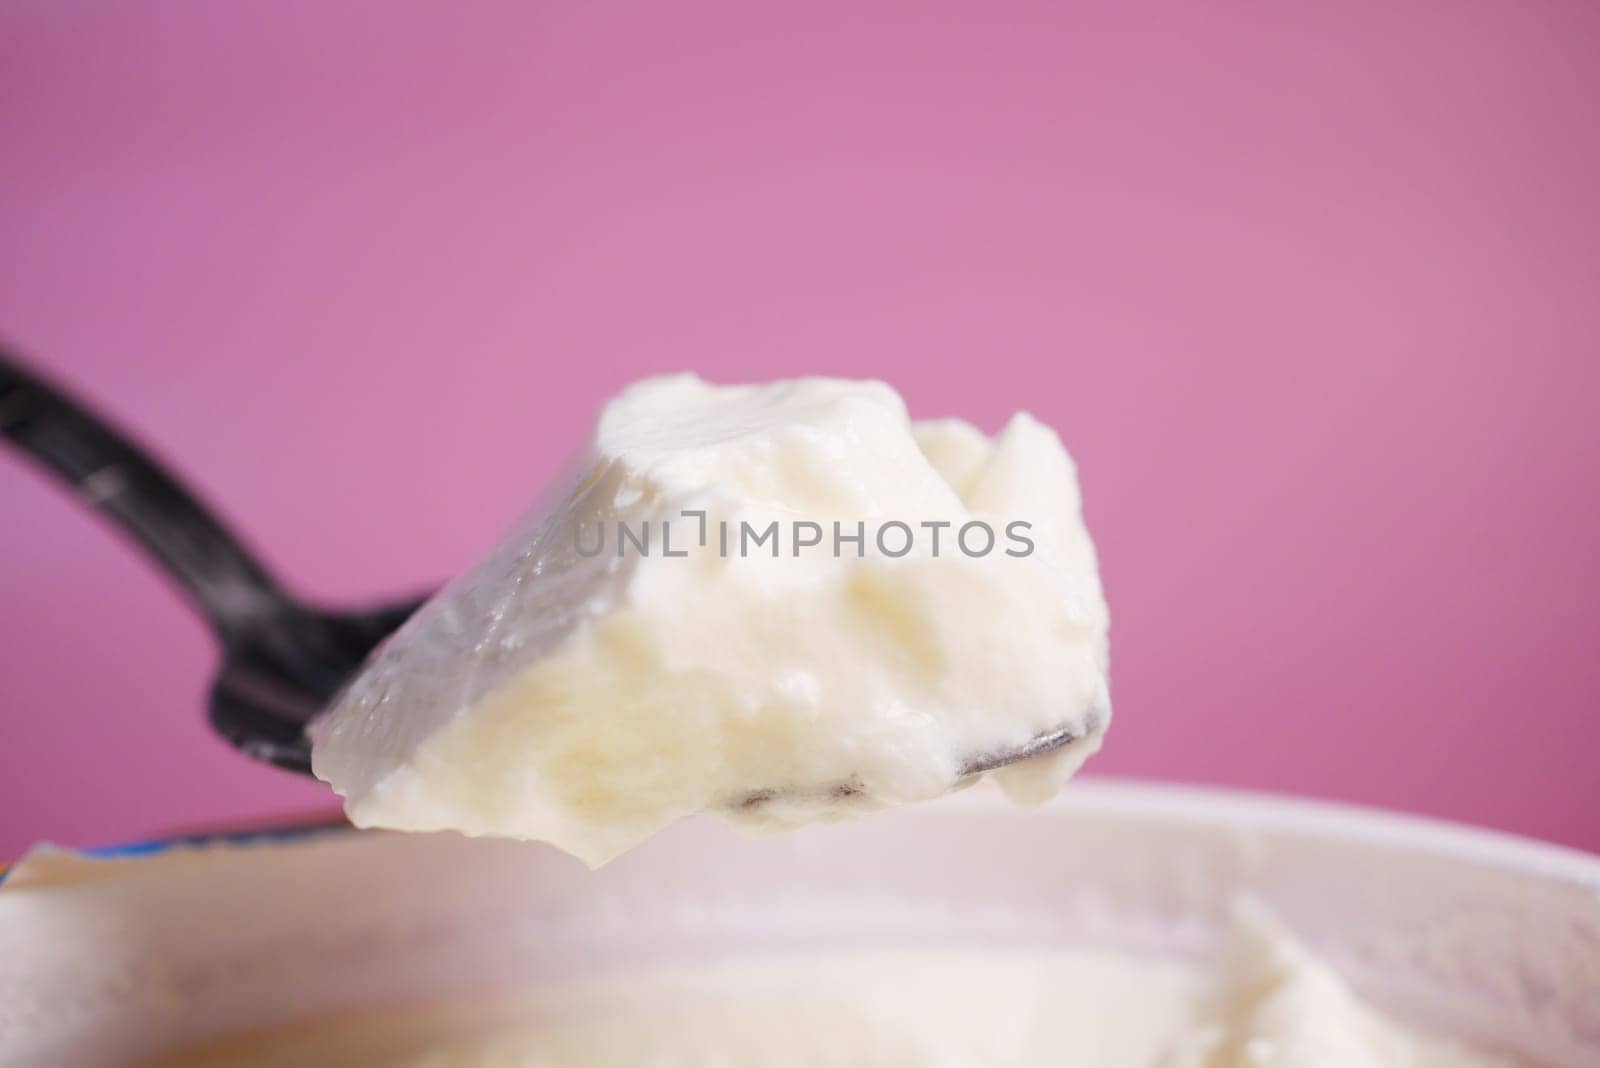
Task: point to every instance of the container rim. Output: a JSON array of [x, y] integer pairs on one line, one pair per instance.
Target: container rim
[[1171, 802], [1273, 812]]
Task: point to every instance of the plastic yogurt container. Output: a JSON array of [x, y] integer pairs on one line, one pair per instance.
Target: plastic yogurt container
[[1479, 935]]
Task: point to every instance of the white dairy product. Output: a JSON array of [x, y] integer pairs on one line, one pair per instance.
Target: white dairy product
[[780, 603], [1267, 1004]]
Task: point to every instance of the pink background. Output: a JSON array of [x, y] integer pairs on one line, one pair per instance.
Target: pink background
[[1312, 296]]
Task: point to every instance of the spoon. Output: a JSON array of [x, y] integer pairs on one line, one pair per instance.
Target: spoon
[[283, 661]]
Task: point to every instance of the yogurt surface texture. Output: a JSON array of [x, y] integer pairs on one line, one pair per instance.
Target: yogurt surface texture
[[1266, 1003], [780, 603]]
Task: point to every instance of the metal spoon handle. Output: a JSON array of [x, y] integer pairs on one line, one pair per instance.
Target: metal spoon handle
[[118, 479]]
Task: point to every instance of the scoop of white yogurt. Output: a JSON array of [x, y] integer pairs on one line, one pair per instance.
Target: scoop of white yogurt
[[781, 603]]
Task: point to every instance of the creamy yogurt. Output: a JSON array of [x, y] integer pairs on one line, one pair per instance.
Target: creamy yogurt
[[780, 603], [1267, 1003]]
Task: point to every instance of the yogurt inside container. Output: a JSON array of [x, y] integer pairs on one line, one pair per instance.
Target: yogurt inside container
[[313, 938]]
